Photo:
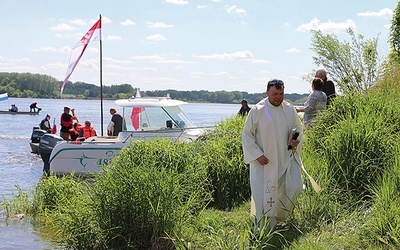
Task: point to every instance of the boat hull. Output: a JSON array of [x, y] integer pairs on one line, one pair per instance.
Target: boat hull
[[93, 154], [6, 112], [82, 159]]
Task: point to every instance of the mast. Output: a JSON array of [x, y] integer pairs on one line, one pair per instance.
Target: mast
[[101, 77]]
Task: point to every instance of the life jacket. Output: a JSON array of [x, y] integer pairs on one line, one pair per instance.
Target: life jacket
[[66, 124], [74, 132], [88, 131]]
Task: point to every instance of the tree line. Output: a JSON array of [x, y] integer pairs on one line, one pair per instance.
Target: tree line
[[28, 85]]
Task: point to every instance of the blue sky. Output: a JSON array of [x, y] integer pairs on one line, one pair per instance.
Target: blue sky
[[183, 44]]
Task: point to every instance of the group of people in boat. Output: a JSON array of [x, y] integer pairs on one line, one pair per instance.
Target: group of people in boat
[[32, 107], [72, 130]]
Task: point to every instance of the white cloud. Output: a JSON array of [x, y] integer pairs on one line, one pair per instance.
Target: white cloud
[[103, 20], [114, 38], [112, 60], [235, 10], [8, 59], [202, 7], [53, 66], [228, 56], [260, 61], [159, 25], [201, 74], [156, 37], [65, 49], [78, 22], [293, 50], [46, 49], [178, 2], [161, 59], [385, 13], [329, 27], [127, 22], [62, 27]]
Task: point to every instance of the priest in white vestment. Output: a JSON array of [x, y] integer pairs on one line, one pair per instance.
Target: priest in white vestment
[[275, 170]]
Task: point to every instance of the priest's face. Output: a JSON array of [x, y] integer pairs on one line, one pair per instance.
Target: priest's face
[[275, 96]]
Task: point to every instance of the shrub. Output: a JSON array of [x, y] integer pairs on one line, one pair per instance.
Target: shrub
[[148, 192], [222, 151]]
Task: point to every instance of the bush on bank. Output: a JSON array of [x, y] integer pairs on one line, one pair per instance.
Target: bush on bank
[[352, 150], [154, 194]]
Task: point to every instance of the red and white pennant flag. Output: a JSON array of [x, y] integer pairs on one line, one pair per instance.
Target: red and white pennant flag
[[94, 34]]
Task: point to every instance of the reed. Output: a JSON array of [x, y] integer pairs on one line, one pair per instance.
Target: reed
[[222, 151], [149, 191], [18, 206], [170, 195]]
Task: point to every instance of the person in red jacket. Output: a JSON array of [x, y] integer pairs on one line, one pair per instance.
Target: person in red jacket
[[87, 130], [74, 132], [66, 122]]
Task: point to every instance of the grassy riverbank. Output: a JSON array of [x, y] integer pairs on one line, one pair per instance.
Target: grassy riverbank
[[164, 195]]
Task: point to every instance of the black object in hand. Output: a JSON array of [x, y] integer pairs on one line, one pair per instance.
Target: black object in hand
[[294, 137]]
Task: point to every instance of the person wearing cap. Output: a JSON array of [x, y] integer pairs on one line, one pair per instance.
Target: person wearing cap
[[87, 130], [45, 124], [244, 110], [273, 155], [13, 108], [66, 122]]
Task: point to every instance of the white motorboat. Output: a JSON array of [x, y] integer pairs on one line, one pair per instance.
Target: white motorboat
[[145, 118]]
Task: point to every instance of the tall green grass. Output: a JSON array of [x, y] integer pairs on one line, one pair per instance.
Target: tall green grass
[[149, 191], [221, 149], [170, 195]]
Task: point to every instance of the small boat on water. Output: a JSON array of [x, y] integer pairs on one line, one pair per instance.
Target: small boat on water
[[4, 97], [145, 118], [20, 112]]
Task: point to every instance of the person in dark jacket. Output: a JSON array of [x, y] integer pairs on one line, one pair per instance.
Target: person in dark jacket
[[33, 107], [328, 88], [117, 123], [66, 122], [244, 110], [45, 124]]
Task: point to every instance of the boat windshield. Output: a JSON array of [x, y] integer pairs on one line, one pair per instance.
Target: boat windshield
[[154, 118]]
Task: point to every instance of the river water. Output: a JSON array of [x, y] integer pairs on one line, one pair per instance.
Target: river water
[[20, 168]]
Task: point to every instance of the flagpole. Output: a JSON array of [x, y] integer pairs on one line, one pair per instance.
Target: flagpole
[[101, 78]]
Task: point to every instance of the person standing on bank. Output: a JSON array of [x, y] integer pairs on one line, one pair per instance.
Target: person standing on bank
[[328, 88], [273, 155], [45, 124], [244, 110], [316, 102], [66, 122], [117, 123]]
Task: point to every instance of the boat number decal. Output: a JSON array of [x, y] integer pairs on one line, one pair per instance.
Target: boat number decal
[[109, 155], [107, 161], [103, 162]]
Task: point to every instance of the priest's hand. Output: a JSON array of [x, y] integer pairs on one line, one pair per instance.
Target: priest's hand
[[263, 160], [294, 143]]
